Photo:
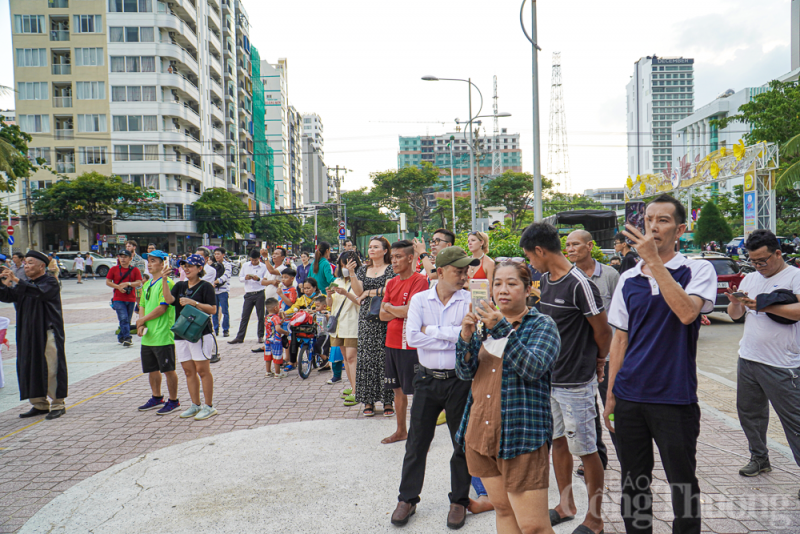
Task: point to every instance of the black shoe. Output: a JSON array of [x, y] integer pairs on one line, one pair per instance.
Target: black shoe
[[215, 358], [258, 350], [55, 414], [235, 341], [225, 333], [755, 467], [33, 412], [261, 340], [216, 333]]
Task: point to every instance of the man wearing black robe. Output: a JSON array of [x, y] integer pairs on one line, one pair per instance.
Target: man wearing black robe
[[41, 360]]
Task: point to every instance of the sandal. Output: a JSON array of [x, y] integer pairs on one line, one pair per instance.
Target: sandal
[[350, 400], [388, 411], [368, 412], [346, 392]]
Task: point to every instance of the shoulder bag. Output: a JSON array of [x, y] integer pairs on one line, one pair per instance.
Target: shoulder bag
[[130, 270], [333, 322], [374, 314], [191, 323]]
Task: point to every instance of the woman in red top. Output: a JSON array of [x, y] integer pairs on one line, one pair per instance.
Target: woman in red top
[[478, 245]]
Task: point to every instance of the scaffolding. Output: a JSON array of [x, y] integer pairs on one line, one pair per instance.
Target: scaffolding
[[263, 155]]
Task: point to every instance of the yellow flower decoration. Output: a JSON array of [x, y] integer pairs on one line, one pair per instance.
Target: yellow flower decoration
[[629, 183], [723, 152], [642, 187], [738, 150], [714, 170]]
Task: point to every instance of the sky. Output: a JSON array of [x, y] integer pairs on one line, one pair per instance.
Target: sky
[[358, 64]]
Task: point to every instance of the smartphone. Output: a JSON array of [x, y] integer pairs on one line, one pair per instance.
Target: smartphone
[[740, 295], [634, 215], [479, 289]]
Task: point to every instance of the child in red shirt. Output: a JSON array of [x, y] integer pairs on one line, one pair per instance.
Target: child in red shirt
[[273, 330]]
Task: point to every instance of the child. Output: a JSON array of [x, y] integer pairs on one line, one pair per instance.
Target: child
[[288, 291], [273, 349]]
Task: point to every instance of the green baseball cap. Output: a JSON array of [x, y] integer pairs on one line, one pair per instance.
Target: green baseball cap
[[456, 257]]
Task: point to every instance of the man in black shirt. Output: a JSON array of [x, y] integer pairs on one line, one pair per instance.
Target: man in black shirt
[[629, 257], [574, 303]]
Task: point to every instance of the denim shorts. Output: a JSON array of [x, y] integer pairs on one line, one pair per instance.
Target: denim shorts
[[574, 411]]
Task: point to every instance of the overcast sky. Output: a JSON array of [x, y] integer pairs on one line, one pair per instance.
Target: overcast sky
[[358, 64]]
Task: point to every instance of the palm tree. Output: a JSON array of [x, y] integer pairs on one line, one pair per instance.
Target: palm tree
[[791, 148]]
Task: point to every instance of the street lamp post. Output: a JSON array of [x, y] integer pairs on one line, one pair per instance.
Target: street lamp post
[[537, 172], [452, 184], [471, 153]]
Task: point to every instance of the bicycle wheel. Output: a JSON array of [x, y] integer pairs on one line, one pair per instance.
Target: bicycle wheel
[[303, 361]]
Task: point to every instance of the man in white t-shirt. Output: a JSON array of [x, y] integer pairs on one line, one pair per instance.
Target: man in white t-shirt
[[89, 263], [769, 352], [80, 265]]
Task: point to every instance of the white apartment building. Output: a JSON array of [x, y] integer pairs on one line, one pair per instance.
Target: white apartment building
[[660, 93], [158, 93], [276, 101], [294, 182], [612, 198], [312, 128], [315, 174]]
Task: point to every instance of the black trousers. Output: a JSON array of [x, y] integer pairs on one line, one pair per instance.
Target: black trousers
[[675, 429], [602, 451], [252, 300], [431, 396]]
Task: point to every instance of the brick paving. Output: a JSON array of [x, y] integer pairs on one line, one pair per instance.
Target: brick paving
[[41, 459]]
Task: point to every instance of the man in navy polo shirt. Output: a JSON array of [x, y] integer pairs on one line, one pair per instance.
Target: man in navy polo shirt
[[652, 382]]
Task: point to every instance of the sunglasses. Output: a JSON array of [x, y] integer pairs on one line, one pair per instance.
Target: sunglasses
[[515, 259]]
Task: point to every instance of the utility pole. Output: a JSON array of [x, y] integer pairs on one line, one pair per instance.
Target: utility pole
[[452, 183], [28, 210], [537, 171], [338, 183], [471, 161]]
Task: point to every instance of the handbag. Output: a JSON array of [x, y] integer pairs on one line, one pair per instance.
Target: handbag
[[374, 314], [333, 322], [130, 270], [190, 324]]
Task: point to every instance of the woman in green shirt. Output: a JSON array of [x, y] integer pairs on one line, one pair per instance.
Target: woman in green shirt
[[321, 268]]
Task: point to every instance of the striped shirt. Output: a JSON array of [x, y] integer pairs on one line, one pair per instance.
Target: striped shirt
[[569, 301], [525, 416]]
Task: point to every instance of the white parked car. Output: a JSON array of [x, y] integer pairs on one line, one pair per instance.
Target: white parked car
[[100, 265]]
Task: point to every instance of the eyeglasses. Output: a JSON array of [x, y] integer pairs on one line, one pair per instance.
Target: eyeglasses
[[760, 263], [436, 241], [515, 259]]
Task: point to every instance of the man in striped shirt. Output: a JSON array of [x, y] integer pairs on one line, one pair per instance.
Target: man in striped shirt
[[574, 303]]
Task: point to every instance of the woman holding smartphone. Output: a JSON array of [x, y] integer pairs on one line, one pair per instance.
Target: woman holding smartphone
[[194, 357], [478, 245], [342, 300], [510, 373]]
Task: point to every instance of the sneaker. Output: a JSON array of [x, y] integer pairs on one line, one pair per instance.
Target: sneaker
[[215, 358], [334, 379], [268, 374], [191, 412], [152, 403], [755, 467], [205, 412], [225, 333], [169, 407], [127, 343]]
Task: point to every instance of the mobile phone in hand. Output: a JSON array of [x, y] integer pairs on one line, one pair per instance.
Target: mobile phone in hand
[[740, 295], [479, 290], [634, 215]]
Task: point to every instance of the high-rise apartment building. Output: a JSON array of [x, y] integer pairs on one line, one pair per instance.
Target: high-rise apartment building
[[275, 79], [660, 93], [435, 149], [312, 128], [159, 93], [295, 157], [315, 173]]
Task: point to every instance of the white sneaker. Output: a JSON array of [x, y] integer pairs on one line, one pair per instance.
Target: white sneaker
[[205, 413], [191, 412]]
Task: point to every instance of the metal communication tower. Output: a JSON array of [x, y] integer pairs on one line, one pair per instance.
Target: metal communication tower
[[497, 161], [558, 149]]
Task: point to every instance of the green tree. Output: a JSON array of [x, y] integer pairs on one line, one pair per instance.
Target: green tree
[[514, 191], [409, 186], [13, 152], [219, 212], [364, 216], [712, 226], [278, 228], [558, 202], [91, 199]]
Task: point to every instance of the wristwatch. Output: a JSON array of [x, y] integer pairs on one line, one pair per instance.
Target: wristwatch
[[424, 255]]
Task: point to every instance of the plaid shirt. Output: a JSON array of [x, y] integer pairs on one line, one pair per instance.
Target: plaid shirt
[[527, 420]]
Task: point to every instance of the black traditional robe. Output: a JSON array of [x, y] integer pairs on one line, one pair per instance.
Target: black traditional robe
[[38, 310]]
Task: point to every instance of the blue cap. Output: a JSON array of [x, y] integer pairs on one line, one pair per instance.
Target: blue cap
[[195, 259], [156, 254]]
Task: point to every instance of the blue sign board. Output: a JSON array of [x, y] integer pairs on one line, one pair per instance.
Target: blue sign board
[[11, 240], [94, 247]]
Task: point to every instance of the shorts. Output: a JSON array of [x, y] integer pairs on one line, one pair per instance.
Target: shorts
[[348, 342], [273, 351], [88, 269], [80, 271], [158, 358], [401, 368], [574, 411], [526, 472], [198, 352]]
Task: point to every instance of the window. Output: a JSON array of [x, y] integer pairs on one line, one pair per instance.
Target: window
[[116, 34], [130, 6], [34, 123], [28, 23], [35, 154], [146, 34], [135, 152], [133, 93], [92, 123], [133, 64], [132, 34], [87, 23], [31, 57], [90, 90], [89, 57], [135, 123], [92, 155], [32, 90]]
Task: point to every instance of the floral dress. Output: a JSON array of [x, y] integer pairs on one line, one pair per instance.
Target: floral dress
[[371, 362]]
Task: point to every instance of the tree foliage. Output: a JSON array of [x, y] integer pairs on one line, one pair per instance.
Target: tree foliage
[[712, 226], [278, 228], [13, 153], [364, 217], [410, 186], [773, 116], [91, 199], [514, 191], [221, 213]]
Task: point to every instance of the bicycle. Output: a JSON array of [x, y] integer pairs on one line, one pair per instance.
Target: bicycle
[[307, 355]]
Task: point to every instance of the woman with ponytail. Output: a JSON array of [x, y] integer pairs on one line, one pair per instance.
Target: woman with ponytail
[[321, 268]]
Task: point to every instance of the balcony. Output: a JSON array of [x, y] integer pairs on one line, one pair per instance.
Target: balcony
[[61, 69], [65, 166], [62, 101], [59, 35], [64, 134], [61, 4]]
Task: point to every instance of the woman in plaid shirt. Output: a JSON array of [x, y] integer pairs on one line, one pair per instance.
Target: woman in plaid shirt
[[507, 427]]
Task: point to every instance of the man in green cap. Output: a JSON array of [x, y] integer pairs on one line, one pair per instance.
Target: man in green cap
[[433, 325]]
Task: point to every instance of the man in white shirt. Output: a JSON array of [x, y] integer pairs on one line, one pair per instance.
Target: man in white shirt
[[272, 279], [251, 275], [80, 265], [209, 273], [433, 325], [769, 357], [222, 287], [89, 263]]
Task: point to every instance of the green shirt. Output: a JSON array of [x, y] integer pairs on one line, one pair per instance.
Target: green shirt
[[159, 331]]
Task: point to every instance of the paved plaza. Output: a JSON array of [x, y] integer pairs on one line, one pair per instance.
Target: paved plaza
[[286, 456]]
